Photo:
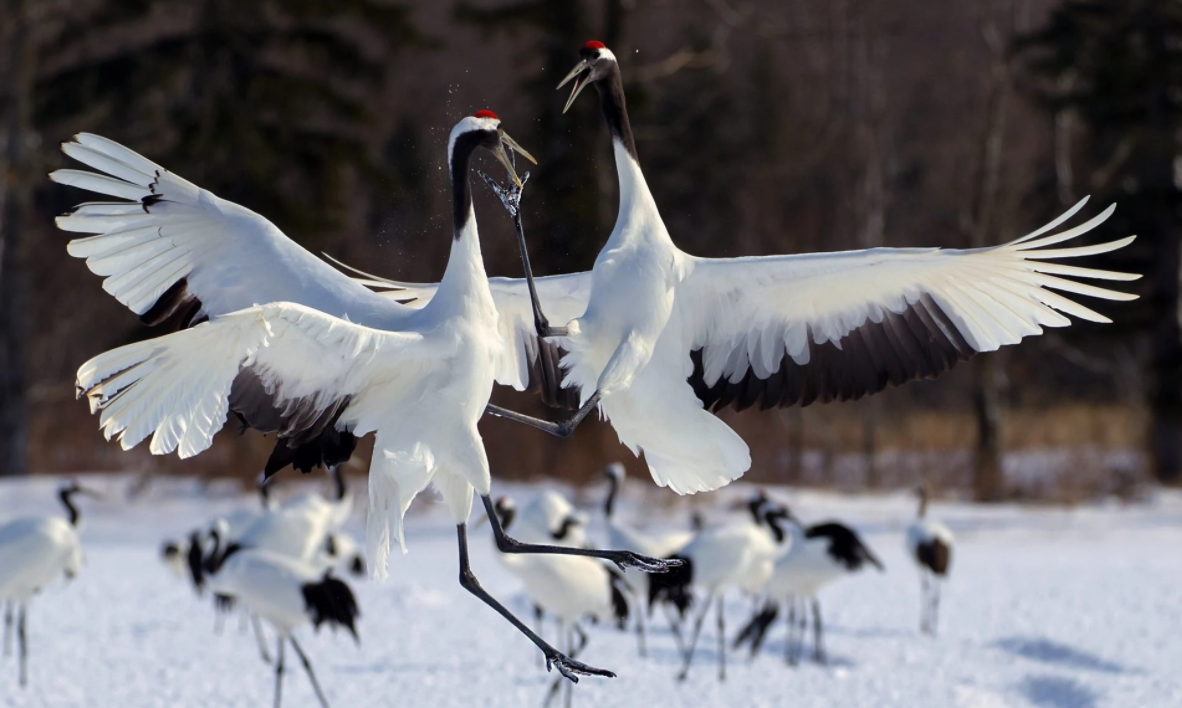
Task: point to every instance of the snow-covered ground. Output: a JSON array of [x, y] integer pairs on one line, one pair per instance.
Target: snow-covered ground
[[1046, 607]]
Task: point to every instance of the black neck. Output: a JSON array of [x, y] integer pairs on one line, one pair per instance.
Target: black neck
[[755, 506], [507, 516], [774, 525], [609, 504], [67, 497], [196, 569], [460, 189], [567, 524], [615, 109], [339, 479], [264, 494]]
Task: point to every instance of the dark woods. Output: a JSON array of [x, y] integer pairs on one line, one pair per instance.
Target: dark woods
[[764, 126]]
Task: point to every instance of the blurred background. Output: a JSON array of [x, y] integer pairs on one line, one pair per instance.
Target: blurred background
[[764, 126]]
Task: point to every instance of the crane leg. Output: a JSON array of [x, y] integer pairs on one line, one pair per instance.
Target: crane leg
[[640, 646], [674, 628], [789, 644], [278, 671], [562, 429], [308, 669], [693, 642], [22, 642], [934, 623], [260, 638], [8, 629], [818, 644], [566, 666], [623, 559], [721, 641], [925, 607], [569, 689], [511, 199]]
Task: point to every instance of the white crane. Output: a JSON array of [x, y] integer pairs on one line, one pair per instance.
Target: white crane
[[929, 543], [737, 555], [571, 588], [35, 551], [551, 518], [658, 338], [332, 364], [285, 593], [649, 543], [816, 556]]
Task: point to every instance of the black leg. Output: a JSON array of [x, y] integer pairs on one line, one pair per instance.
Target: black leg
[[578, 648], [789, 653], [511, 198], [675, 628], [924, 602], [22, 643], [721, 642], [693, 643], [278, 671], [260, 638], [768, 615], [623, 559], [640, 627], [818, 644], [934, 623], [562, 429], [8, 629], [565, 665], [308, 668]]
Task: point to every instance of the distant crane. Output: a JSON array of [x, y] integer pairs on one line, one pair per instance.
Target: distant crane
[[657, 545], [284, 592], [35, 551], [571, 588], [817, 555], [719, 558], [929, 543]]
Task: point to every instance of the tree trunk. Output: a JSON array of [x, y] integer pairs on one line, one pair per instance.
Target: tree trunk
[[988, 474], [16, 68]]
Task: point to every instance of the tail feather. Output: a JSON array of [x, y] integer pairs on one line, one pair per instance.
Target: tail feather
[[332, 601]]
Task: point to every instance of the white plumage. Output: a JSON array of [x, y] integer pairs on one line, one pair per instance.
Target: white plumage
[[34, 552], [664, 337], [929, 544], [320, 362], [815, 556], [285, 592], [421, 384]]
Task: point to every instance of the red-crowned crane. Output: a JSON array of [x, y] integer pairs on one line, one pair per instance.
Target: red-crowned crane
[[929, 544], [332, 363], [34, 552]]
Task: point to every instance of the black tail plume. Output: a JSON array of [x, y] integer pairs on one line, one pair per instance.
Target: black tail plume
[[332, 601]]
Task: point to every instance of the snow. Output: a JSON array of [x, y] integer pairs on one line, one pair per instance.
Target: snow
[[1047, 607]]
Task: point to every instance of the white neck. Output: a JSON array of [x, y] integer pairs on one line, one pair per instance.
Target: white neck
[[465, 266], [638, 217]]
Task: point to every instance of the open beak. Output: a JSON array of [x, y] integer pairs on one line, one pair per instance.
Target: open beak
[[580, 83], [502, 155]]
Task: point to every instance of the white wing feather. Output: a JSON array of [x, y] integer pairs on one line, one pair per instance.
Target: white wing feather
[[176, 388], [230, 257]]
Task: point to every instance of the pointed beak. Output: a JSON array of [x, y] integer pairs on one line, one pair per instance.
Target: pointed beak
[[580, 83], [502, 156], [86, 492]]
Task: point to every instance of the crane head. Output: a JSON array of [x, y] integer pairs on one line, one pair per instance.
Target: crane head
[[595, 62], [487, 127]]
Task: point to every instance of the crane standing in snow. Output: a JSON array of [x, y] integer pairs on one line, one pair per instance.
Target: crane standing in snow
[[929, 544], [816, 556], [35, 551], [285, 592], [571, 588]]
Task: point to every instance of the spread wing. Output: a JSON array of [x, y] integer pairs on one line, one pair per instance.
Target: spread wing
[[177, 254], [787, 330], [281, 368]]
